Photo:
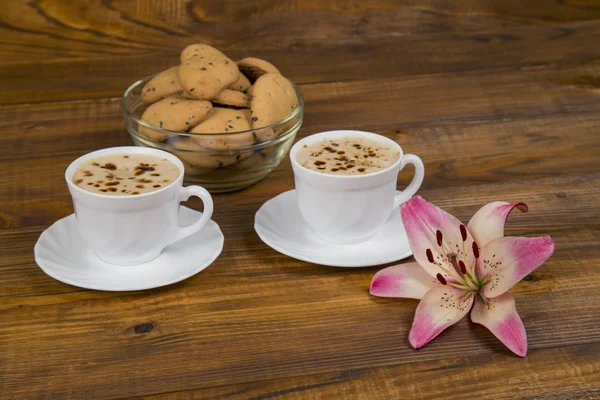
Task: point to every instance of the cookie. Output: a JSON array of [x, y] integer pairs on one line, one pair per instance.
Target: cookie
[[199, 160], [197, 51], [264, 134], [232, 98], [174, 113], [253, 68], [242, 84], [186, 95], [256, 161], [273, 98], [221, 120], [250, 90], [205, 78], [162, 85]]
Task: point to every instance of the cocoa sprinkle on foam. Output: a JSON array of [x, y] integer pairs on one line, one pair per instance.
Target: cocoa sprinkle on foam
[[124, 171], [350, 155]]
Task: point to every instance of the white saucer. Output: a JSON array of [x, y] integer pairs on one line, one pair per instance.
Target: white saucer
[[62, 254], [279, 224]]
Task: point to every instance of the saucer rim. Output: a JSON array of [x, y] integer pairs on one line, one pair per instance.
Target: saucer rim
[[68, 281], [277, 248]]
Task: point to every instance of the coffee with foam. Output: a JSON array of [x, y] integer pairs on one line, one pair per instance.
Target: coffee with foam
[[125, 174], [347, 155]]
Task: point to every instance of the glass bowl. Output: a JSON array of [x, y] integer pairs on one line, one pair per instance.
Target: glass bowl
[[217, 170]]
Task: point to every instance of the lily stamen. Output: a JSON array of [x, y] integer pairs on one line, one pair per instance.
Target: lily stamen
[[474, 265], [430, 258], [448, 272], [455, 262], [441, 278], [469, 277], [429, 255], [450, 257], [475, 250], [466, 296], [444, 282], [485, 300], [463, 235], [462, 267], [461, 287], [472, 272], [463, 232]]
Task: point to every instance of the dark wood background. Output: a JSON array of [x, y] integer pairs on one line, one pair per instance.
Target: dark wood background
[[501, 99]]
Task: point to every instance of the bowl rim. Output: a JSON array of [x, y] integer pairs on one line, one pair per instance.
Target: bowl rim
[[298, 111]]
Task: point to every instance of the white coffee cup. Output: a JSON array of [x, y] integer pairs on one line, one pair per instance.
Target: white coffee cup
[[130, 230], [348, 209]]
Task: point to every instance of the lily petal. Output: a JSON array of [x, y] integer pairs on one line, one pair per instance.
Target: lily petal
[[505, 261], [501, 318], [488, 223], [426, 226], [440, 308], [405, 280]]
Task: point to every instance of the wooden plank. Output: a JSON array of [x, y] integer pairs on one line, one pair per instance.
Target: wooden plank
[[222, 332], [558, 373], [377, 105], [76, 29], [206, 319], [61, 128], [442, 98], [105, 74]]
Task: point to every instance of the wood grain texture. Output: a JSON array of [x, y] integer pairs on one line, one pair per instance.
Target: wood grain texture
[[501, 99], [74, 45], [494, 377]]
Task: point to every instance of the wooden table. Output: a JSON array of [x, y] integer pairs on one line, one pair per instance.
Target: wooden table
[[501, 99]]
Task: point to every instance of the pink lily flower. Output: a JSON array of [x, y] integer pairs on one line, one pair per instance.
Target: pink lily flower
[[463, 268]]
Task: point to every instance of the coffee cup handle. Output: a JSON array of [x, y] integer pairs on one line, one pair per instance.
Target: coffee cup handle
[[184, 194], [416, 182]]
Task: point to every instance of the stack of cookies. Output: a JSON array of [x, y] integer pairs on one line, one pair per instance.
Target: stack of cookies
[[211, 98]]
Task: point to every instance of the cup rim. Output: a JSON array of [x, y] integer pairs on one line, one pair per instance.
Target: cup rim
[[122, 149], [336, 133]]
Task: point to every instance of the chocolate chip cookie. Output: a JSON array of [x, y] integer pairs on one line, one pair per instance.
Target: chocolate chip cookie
[[198, 51], [162, 85], [273, 98], [232, 98], [242, 84], [221, 120], [206, 77], [173, 113], [253, 68]]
